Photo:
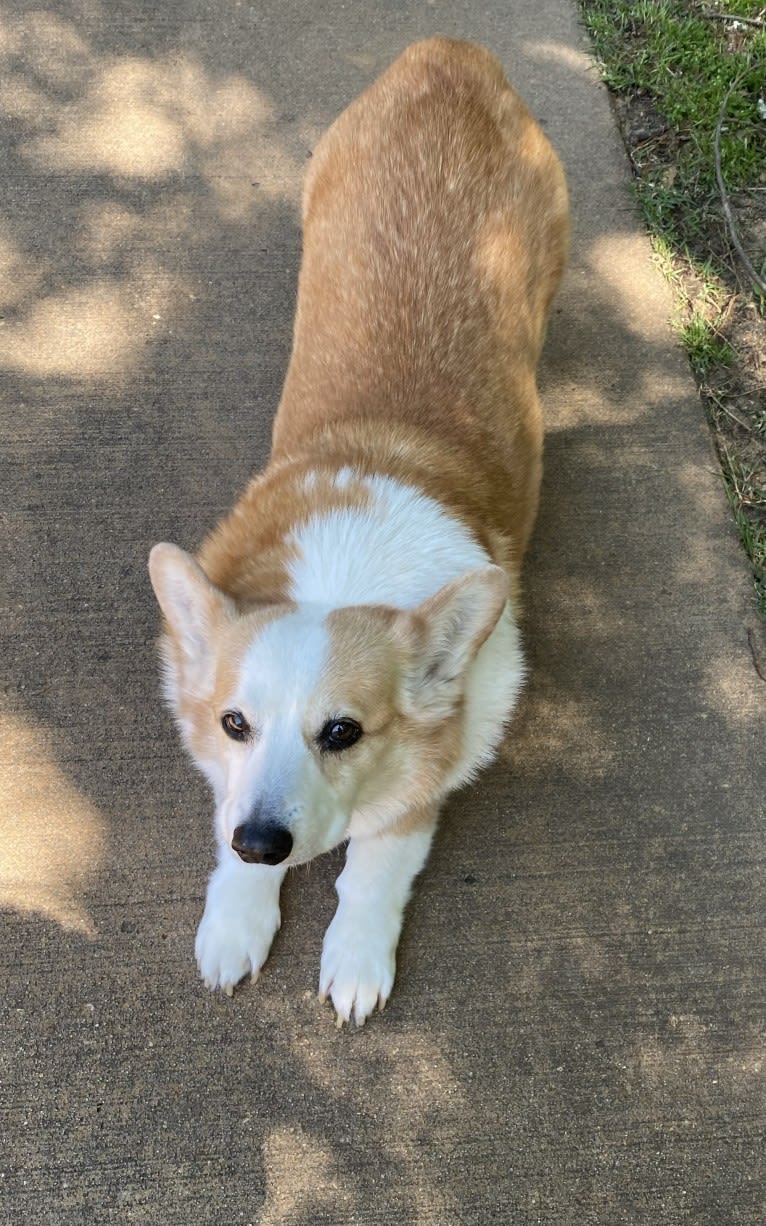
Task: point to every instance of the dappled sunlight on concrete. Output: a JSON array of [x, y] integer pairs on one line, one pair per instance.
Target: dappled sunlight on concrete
[[619, 262], [119, 128], [425, 1087], [728, 689], [50, 48], [146, 119], [584, 406], [596, 615], [52, 840], [88, 333], [111, 232], [727, 672], [302, 1177], [562, 725], [697, 566], [691, 1048], [303, 1170], [20, 277], [604, 295], [699, 560], [139, 122]]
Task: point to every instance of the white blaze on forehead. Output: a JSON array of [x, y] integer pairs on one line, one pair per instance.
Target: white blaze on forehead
[[282, 666], [279, 671], [398, 550]]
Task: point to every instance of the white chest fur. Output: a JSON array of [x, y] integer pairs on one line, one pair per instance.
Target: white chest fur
[[399, 550]]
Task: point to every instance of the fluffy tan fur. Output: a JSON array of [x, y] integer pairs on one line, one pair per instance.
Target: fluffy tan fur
[[421, 313]]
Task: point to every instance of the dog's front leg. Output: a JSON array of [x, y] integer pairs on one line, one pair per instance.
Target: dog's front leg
[[240, 921], [359, 950]]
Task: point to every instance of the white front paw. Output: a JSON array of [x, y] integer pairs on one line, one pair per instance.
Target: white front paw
[[232, 943], [358, 966]]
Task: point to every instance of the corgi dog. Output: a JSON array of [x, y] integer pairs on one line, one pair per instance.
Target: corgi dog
[[344, 650]]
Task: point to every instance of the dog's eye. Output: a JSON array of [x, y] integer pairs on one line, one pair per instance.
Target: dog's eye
[[339, 734], [235, 725]]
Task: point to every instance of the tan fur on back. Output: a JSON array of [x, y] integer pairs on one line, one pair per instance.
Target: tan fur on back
[[435, 234]]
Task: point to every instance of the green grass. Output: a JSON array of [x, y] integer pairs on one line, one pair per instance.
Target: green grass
[[753, 534], [706, 349], [691, 67], [688, 63]]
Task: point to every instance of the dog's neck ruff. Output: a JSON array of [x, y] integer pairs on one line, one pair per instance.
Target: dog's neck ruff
[[398, 549]]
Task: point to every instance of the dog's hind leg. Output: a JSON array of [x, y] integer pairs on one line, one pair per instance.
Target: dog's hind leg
[[240, 921], [359, 949]]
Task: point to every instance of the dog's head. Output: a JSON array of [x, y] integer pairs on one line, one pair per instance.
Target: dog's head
[[302, 716]]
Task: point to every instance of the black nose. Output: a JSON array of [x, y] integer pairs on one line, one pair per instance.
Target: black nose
[[256, 843]]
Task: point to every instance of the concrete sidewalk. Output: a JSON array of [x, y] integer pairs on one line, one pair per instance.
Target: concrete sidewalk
[[576, 1035]]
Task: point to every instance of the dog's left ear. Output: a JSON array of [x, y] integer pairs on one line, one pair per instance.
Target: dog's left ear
[[447, 631]]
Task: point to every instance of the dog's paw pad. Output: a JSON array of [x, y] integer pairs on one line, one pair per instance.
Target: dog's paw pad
[[219, 965], [357, 979], [227, 952]]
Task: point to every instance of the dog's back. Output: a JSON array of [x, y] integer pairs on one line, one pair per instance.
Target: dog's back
[[435, 234]]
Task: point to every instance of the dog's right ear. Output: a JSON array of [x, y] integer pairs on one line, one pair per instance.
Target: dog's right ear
[[192, 605], [448, 629]]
